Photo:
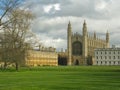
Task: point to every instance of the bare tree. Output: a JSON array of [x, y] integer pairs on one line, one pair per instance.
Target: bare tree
[[15, 33], [7, 6]]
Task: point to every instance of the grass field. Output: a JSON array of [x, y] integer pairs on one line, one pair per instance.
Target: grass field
[[62, 78]]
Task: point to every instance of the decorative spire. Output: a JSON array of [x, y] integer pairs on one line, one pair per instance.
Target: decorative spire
[[69, 23], [94, 34], [107, 39], [69, 26], [69, 46], [107, 36], [84, 22], [84, 28], [107, 32]]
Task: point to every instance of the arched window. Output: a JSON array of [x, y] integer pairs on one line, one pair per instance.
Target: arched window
[[77, 48]]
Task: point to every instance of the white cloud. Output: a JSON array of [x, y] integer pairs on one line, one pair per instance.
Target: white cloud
[[57, 7], [47, 8], [100, 5]]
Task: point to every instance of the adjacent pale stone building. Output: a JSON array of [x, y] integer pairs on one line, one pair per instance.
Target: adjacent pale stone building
[[107, 56], [41, 58]]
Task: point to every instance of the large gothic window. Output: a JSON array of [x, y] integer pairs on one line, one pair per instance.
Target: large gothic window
[[77, 48]]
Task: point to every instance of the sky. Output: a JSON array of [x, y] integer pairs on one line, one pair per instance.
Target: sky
[[52, 17]]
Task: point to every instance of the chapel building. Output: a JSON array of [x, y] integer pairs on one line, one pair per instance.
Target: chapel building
[[80, 47]]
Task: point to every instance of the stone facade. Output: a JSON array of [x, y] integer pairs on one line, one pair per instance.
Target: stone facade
[[107, 56], [81, 47], [40, 58]]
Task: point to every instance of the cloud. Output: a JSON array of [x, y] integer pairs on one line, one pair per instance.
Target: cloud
[[57, 7], [48, 8], [52, 17]]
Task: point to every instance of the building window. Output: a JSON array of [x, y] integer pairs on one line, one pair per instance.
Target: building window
[[97, 52], [114, 57], [114, 52], [118, 52], [77, 48], [109, 52], [105, 57], [105, 62], [96, 57], [101, 62], [105, 52], [109, 62], [97, 62], [118, 57], [101, 57], [101, 52], [109, 57], [114, 62], [118, 62]]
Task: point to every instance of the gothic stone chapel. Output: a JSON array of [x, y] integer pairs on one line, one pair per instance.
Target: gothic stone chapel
[[80, 48]]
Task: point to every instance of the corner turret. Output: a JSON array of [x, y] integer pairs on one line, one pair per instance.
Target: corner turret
[[85, 41], [84, 28], [69, 43], [95, 35], [107, 40]]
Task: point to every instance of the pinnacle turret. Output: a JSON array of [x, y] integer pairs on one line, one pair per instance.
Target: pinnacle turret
[[69, 25], [69, 45], [84, 28], [95, 35], [84, 23], [107, 39], [107, 36]]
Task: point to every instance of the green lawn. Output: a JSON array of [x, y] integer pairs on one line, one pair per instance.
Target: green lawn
[[62, 78]]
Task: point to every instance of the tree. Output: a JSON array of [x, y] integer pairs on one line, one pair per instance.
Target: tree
[[15, 35], [15, 28], [6, 7]]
